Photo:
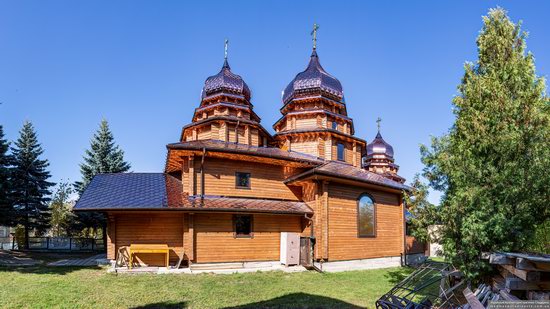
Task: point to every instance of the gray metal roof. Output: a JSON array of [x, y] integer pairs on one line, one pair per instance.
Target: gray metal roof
[[130, 190]]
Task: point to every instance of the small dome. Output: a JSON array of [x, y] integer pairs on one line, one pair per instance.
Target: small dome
[[313, 78], [379, 147], [225, 80]]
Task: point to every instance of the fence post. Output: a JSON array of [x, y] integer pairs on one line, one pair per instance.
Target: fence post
[[70, 243], [93, 242], [47, 243]]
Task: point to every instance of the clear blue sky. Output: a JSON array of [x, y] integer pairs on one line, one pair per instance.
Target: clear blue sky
[[65, 65]]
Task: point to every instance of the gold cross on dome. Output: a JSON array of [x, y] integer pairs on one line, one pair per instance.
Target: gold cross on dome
[[314, 34], [378, 123], [225, 48]]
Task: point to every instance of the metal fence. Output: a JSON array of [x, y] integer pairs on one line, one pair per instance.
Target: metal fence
[[62, 244]]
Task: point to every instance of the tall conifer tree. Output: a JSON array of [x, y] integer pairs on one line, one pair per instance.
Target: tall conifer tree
[[493, 164], [30, 183], [104, 156], [6, 206]]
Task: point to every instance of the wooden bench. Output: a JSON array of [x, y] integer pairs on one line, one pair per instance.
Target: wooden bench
[[145, 248]]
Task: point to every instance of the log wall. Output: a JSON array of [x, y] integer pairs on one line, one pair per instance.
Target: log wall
[[343, 241]]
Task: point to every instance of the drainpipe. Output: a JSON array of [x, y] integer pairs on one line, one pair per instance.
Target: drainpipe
[[202, 175], [404, 263]]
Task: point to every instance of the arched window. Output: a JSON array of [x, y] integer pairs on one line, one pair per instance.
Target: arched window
[[366, 216]]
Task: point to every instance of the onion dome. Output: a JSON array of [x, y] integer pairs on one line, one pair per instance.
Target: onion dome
[[379, 147], [313, 79], [226, 81]]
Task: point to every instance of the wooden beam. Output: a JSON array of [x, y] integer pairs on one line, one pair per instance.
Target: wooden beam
[[531, 276], [472, 299], [501, 259], [525, 264], [519, 284]]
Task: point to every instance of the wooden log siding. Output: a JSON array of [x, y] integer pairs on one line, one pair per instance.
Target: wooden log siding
[[266, 181], [343, 242], [150, 228], [215, 241]]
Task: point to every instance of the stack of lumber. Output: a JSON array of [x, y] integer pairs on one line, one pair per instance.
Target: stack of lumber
[[481, 297], [523, 275]]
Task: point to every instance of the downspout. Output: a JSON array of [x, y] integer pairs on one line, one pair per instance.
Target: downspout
[[404, 202], [202, 175]]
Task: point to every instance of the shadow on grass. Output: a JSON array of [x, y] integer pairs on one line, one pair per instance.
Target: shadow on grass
[[168, 305], [398, 275], [298, 300], [45, 270]]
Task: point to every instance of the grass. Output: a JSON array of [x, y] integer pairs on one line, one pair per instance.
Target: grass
[[65, 287]]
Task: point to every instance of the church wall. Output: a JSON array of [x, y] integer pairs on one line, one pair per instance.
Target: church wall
[[215, 241], [302, 123], [309, 147], [147, 228], [266, 181], [344, 243]]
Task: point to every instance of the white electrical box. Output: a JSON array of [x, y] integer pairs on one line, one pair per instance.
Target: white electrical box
[[290, 248]]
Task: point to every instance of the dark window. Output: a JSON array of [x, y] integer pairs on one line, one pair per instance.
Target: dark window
[[340, 151], [366, 216], [242, 180], [243, 226], [335, 125]]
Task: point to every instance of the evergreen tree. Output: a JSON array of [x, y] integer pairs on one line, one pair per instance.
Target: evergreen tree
[[422, 213], [30, 183], [6, 207], [61, 207], [102, 157], [493, 164]]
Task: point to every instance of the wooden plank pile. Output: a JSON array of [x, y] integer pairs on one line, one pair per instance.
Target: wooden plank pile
[[526, 276]]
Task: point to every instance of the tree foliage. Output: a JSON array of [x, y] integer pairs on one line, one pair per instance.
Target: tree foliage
[[104, 156], [493, 164], [6, 207], [422, 213], [29, 178], [61, 209]]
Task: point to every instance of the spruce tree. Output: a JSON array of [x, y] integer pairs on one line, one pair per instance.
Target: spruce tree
[[30, 183], [104, 156], [6, 207], [493, 164]]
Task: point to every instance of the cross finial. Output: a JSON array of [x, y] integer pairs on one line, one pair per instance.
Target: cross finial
[[225, 48], [378, 123], [314, 34]]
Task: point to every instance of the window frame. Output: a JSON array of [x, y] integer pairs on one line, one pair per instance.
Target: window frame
[[235, 235], [343, 159], [237, 186], [374, 215]]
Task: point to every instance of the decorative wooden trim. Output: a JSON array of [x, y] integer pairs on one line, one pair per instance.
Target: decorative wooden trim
[[374, 214]]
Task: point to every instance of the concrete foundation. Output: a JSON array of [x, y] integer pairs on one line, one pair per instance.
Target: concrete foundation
[[392, 261]]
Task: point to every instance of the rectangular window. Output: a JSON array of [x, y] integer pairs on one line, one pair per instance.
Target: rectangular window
[[242, 180], [243, 226], [340, 152], [3, 232]]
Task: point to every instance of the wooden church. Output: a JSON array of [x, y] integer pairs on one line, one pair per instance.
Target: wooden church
[[231, 189]]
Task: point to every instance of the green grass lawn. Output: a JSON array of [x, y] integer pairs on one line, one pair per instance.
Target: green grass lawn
[[46, 287]]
